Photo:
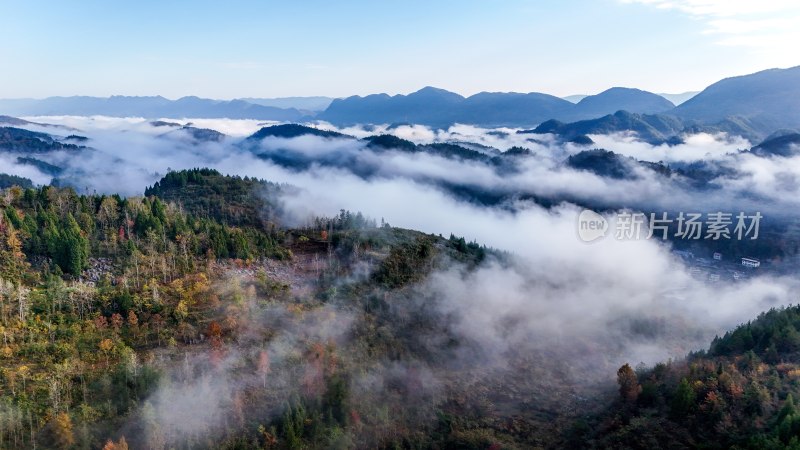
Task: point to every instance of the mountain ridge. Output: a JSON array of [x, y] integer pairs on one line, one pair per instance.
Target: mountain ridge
[[769, 97], [151, 107], [753, 106]]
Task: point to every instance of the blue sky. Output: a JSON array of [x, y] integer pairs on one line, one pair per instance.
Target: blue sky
[[268, 48]]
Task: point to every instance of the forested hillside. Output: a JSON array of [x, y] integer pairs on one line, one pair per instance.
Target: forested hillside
[[231, 200], [741, 393], [87, 285]]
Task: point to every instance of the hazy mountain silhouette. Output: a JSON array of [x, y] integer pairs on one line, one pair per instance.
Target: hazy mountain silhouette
[[753, 106], [313, 104], [440, 108], [655, 128], [618, 98], [769, 100], [148, 107], [783, 143]]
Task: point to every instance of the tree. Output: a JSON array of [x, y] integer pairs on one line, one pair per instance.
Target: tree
[[788, 408], [117, 321], [12, 259], [122, 444], [629, 387], [263, 366], [23, 372], [108, 216], [683, 400], [62, 431], [215, 334], [71, 247], [106, 345]]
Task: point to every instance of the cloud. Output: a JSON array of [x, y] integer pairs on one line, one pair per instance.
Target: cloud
[[564, 307], [127, 155], [769, 26], [9, 165], [696, 147]]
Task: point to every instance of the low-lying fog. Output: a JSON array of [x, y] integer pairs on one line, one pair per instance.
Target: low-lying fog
[[559, 285]]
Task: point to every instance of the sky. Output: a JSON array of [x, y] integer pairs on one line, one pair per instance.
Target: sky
[[273, 48]]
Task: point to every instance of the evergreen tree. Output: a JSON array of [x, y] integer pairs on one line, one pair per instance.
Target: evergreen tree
[[683, 400], [72, 249]]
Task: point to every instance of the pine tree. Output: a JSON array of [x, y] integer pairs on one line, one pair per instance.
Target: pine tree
[[72, 253], [683, 400]]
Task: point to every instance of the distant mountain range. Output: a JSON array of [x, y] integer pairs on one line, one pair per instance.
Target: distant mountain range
[[655, 129], [148, 107], [753, 106], [313, 104], [437, 107], [768, 99]]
